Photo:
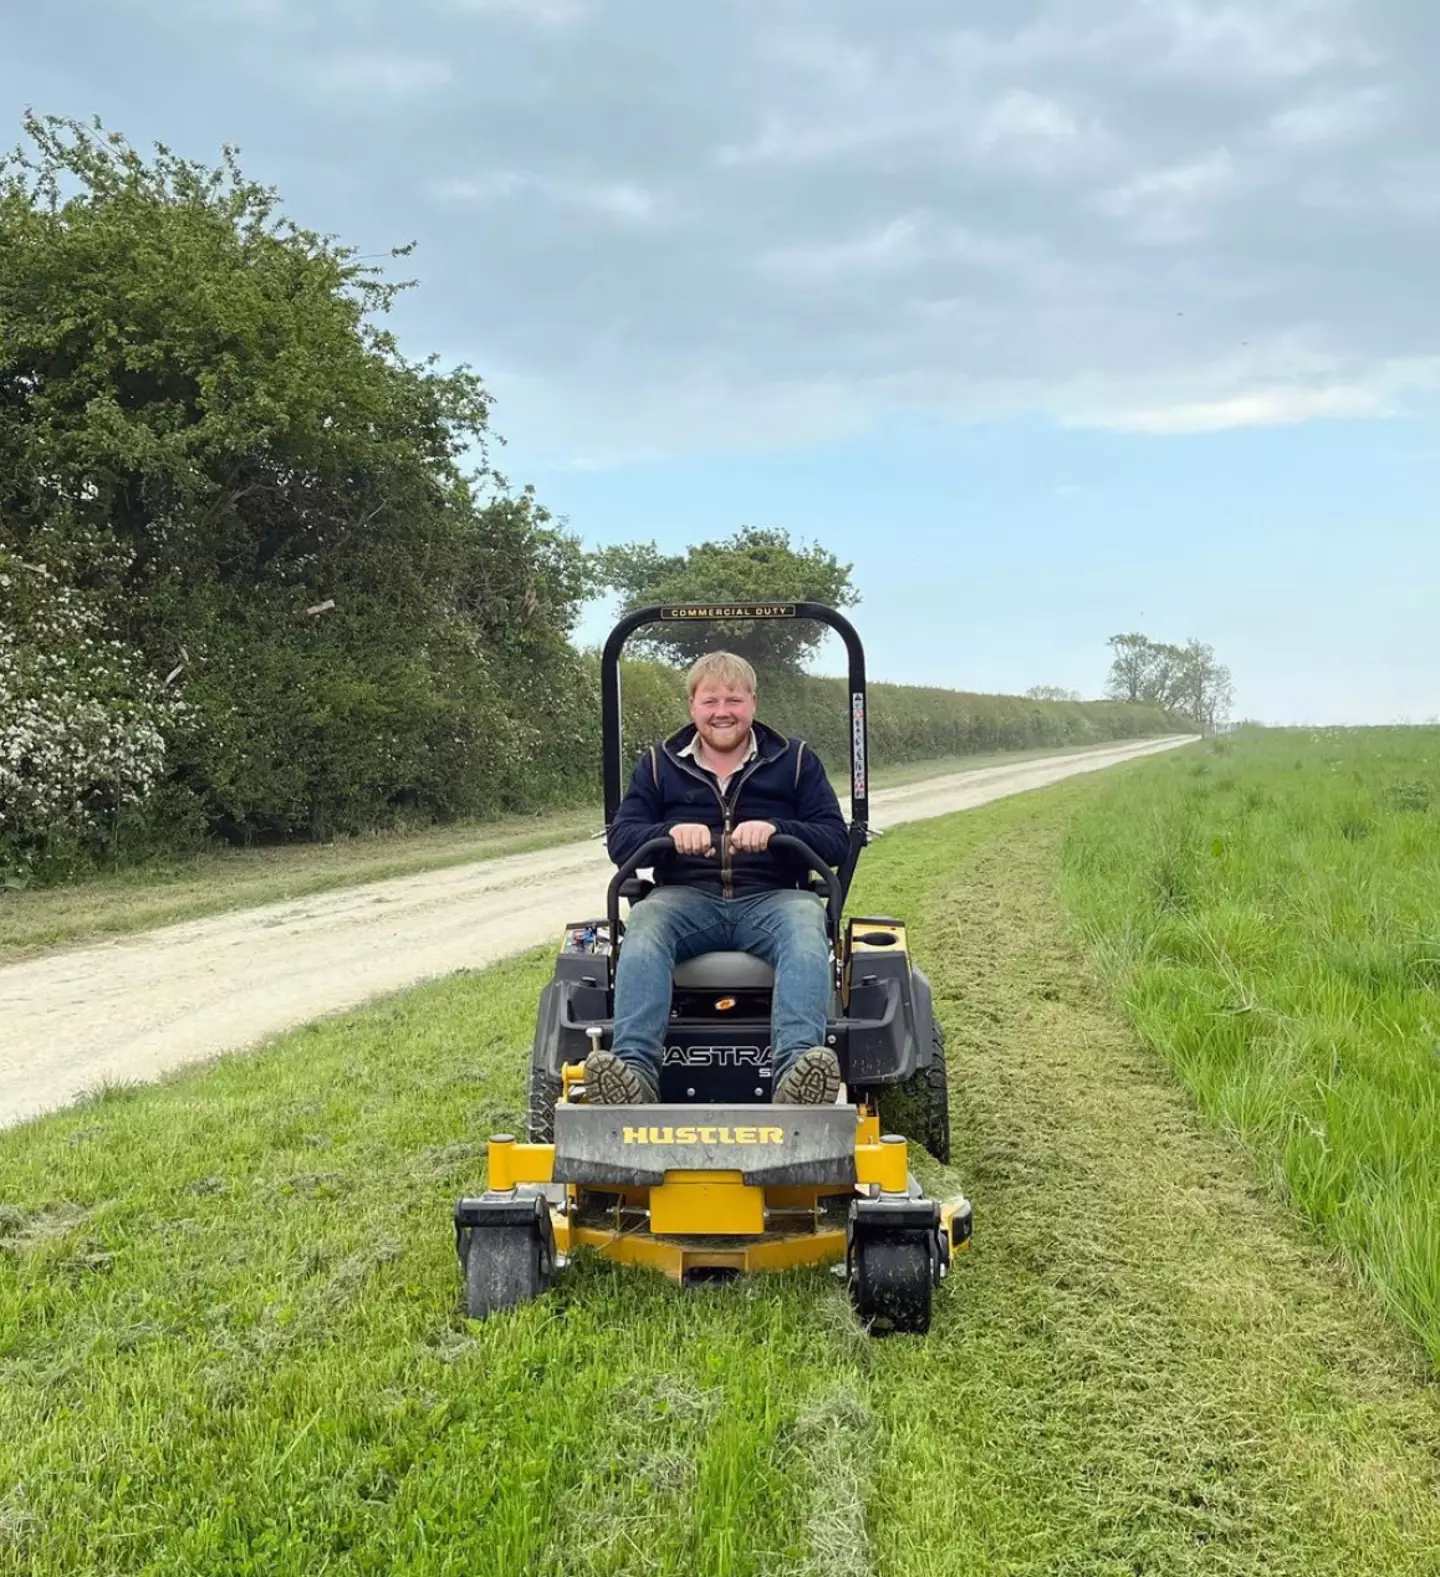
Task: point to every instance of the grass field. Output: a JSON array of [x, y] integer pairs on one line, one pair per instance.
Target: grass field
[[1270, 914], [168, 891], [231, 1336]]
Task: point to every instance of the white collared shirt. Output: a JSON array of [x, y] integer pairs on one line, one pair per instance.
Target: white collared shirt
[[693, 751]]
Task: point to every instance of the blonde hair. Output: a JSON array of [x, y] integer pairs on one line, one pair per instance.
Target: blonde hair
[[722, 667]]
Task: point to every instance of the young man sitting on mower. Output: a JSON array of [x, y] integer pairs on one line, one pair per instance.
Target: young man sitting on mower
[[721, 789]]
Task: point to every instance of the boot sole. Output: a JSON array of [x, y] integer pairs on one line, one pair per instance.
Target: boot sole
[[813, 1081], [610, 1081]]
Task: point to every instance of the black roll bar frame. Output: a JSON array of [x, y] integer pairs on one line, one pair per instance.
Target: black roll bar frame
[[613, 744]]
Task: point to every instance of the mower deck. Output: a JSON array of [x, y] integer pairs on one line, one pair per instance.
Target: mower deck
[[744, 1189], [682, 1259]]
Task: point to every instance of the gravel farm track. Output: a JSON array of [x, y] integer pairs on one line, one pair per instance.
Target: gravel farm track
[[132, 1008]]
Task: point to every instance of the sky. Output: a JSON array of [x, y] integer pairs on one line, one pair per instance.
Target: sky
[[1053, 318]]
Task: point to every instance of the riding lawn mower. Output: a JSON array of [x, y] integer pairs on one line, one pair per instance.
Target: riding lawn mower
[[715, 1180]]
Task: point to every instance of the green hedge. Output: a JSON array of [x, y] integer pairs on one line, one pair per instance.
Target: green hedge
[[907, 722]]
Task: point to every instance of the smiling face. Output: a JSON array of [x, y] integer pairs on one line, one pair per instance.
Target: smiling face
[[722, 711]]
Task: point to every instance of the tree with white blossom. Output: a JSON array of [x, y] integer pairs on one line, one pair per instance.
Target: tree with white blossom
[[82, 724]]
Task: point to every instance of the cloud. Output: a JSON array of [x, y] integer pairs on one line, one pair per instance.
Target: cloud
[[895, 245], [1172, 204], [1020, 115], [1183, 183], [544, 13], [620, 200], [1282, 385], [907, 243], [1265, 38], [1259, 408], [1015, 125], [656, 228], [1411, 186], [326, 18], [246, 9], [1170, 39], [1333, 119], [395, 76]]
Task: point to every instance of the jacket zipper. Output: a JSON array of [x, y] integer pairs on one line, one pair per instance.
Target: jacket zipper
[[727, 873], [728, 805]]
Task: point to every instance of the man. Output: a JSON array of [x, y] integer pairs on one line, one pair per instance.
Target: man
[[721, 789]]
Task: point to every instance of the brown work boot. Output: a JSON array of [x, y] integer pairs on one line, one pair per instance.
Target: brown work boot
[[813, 1079], [611, 1081]]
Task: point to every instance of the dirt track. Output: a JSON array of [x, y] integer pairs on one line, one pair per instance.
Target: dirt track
[[133, 1008]]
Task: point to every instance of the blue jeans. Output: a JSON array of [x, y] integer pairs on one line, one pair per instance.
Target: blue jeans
[[785, 927]]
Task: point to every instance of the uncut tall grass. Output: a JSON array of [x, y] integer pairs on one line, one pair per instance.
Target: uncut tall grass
[[1269, 909]]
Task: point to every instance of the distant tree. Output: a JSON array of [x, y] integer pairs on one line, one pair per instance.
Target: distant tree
[[1051, 692], [1131, 666], [1173, 686], [752, 566], [1145, 671], [1186, 679], [1206, 691]]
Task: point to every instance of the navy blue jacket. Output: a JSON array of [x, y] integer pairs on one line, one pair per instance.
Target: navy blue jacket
[[785, 784]]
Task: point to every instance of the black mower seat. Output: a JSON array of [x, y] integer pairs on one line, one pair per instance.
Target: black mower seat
[[725, 972]]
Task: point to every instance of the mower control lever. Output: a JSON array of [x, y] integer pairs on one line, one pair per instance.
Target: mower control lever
[[780, 841]]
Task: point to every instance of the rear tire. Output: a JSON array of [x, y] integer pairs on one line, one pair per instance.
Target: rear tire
[[544, 1095], [920, 1108]]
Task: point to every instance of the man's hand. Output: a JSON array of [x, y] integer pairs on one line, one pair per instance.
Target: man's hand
[[692, 837], [751, 836]]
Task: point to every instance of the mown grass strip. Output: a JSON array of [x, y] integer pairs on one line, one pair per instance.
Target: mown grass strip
[[1147, 1367], [231, 1336], [1270, 915]]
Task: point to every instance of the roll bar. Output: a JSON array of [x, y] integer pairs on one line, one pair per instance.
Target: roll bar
[[613, 746]]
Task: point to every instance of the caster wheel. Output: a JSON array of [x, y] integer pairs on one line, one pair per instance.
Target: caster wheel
[[892, 1284], [509, 1263]]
